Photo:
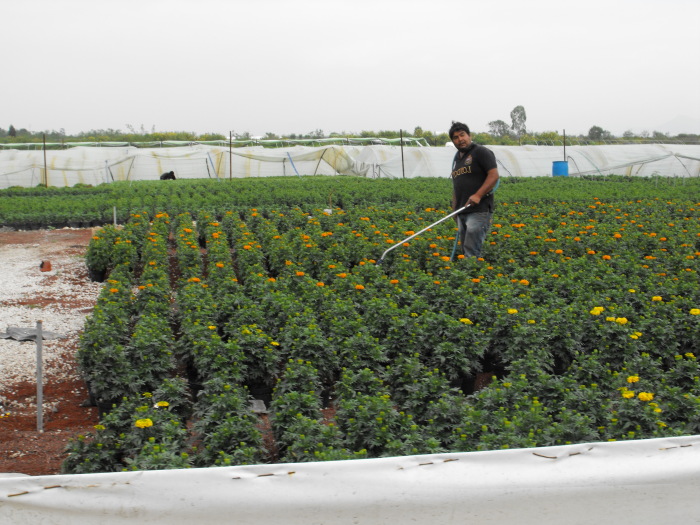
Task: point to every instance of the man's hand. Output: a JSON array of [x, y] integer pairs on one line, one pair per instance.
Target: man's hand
[[474, 200]]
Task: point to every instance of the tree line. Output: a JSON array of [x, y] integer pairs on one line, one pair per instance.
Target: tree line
[[499, 133]]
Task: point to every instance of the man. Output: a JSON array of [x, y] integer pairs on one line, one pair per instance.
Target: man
[[170, 175], [474, 176]]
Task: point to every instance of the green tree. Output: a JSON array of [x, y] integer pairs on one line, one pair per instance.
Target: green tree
[[498, 128], [12, 132], [598, 133], [518, 117]]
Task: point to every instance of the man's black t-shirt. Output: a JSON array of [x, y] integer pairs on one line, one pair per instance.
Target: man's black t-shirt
[[469, 173]]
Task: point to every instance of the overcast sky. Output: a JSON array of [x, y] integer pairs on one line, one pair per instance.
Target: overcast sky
[[294, 66]]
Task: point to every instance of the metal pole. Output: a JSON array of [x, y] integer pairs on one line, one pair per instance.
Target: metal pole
[[230, 156], [115, 216], [403, 171], [46, 173], [39, 379], [564, 144]]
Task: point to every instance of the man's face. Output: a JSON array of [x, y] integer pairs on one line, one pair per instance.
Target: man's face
[[461, 139]]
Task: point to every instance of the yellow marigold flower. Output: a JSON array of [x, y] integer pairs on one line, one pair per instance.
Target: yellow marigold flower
[[597, 310], [99, 427], [465, 320], [627, 394], [512, 311], [211, 327], [645, 396], [632, 290], [161, 404], [695, 311], [634, 336], [143, 423], [690, 355], [621, 320], [274, 343], [632, 379], [657, 298], [531, 321]]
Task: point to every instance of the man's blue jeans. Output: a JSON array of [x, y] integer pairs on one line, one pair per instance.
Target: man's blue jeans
[[473, 228]]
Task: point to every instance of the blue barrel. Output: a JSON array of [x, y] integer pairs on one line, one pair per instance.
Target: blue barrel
[[560, 168]]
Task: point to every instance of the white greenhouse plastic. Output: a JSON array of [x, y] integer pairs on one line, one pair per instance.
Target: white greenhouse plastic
[[96, 165], [644, 482]]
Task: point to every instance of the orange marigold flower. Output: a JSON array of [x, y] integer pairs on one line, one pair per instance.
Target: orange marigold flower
[[320, 284], [359, 287], [300, 274]]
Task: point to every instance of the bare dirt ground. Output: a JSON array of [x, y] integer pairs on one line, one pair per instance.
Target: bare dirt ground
[[22, 448]]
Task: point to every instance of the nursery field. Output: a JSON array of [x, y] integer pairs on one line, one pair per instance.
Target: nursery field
[[580, 323]]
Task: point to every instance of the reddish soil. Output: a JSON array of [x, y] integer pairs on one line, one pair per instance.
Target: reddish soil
[[22, 448]]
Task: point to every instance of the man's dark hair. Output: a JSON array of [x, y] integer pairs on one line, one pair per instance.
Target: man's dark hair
[[458, 126]]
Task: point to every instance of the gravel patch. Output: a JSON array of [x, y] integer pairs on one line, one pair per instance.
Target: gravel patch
[[60, 298]]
